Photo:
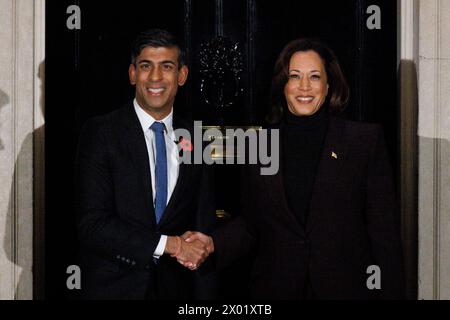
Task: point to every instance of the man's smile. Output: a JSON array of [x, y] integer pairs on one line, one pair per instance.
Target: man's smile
[[155, 91]]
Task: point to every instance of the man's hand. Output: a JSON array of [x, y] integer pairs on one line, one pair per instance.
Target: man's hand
[[190, 254], [190, 236], [193, 237]]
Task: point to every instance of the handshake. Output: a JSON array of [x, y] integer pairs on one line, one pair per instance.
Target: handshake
[[190, 249]]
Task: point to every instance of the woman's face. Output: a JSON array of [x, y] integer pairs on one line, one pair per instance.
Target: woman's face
[[307, 85]]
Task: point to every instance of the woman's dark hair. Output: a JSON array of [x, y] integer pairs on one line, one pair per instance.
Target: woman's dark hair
[[338, 92], [156, 38]]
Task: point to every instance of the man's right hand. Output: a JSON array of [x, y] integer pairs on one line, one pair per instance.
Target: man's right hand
[[190, 254], [193, 237]]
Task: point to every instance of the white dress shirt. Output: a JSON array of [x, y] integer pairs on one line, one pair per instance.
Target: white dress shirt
[[173, 164]]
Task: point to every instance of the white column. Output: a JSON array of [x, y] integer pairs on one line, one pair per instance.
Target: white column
[[21, 53], [434, 150]]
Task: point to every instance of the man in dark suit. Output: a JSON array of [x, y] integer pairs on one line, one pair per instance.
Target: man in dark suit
[[134, 195]]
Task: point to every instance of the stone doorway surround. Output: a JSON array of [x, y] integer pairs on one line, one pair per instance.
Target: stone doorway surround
[[22, 55], [424, 68], [424, 146]]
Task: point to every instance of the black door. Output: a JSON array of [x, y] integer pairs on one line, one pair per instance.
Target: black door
[[86, 75]]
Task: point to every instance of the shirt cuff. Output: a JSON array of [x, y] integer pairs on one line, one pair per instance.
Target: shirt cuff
[[159, 251]]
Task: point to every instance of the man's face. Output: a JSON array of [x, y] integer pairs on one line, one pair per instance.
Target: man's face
[[157, 76]]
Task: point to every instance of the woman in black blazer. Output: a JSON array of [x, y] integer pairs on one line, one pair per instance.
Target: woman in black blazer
[[325, 226]]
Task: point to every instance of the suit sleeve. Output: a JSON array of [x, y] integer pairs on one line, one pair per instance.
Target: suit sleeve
[[383, 221], [100, 229]]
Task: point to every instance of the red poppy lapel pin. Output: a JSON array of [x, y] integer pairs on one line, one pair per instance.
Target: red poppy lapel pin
[[184, 145]]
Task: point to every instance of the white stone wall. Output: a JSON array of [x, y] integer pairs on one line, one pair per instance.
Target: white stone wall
[[21, 53], [425, 45], [434, 149]]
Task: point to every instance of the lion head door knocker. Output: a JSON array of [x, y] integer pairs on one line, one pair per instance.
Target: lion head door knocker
[[220, 72]]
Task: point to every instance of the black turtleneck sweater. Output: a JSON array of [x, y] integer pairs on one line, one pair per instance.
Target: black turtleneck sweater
[[303, 139]]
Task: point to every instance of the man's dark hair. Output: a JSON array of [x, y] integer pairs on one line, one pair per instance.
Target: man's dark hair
[[339, 92], [156, 38]]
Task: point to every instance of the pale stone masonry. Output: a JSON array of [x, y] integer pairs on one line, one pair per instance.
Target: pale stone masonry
[[424, 54], [22, 51]]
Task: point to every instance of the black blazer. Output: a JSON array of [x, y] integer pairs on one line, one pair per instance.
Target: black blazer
[[352, 224], [117, 226]]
